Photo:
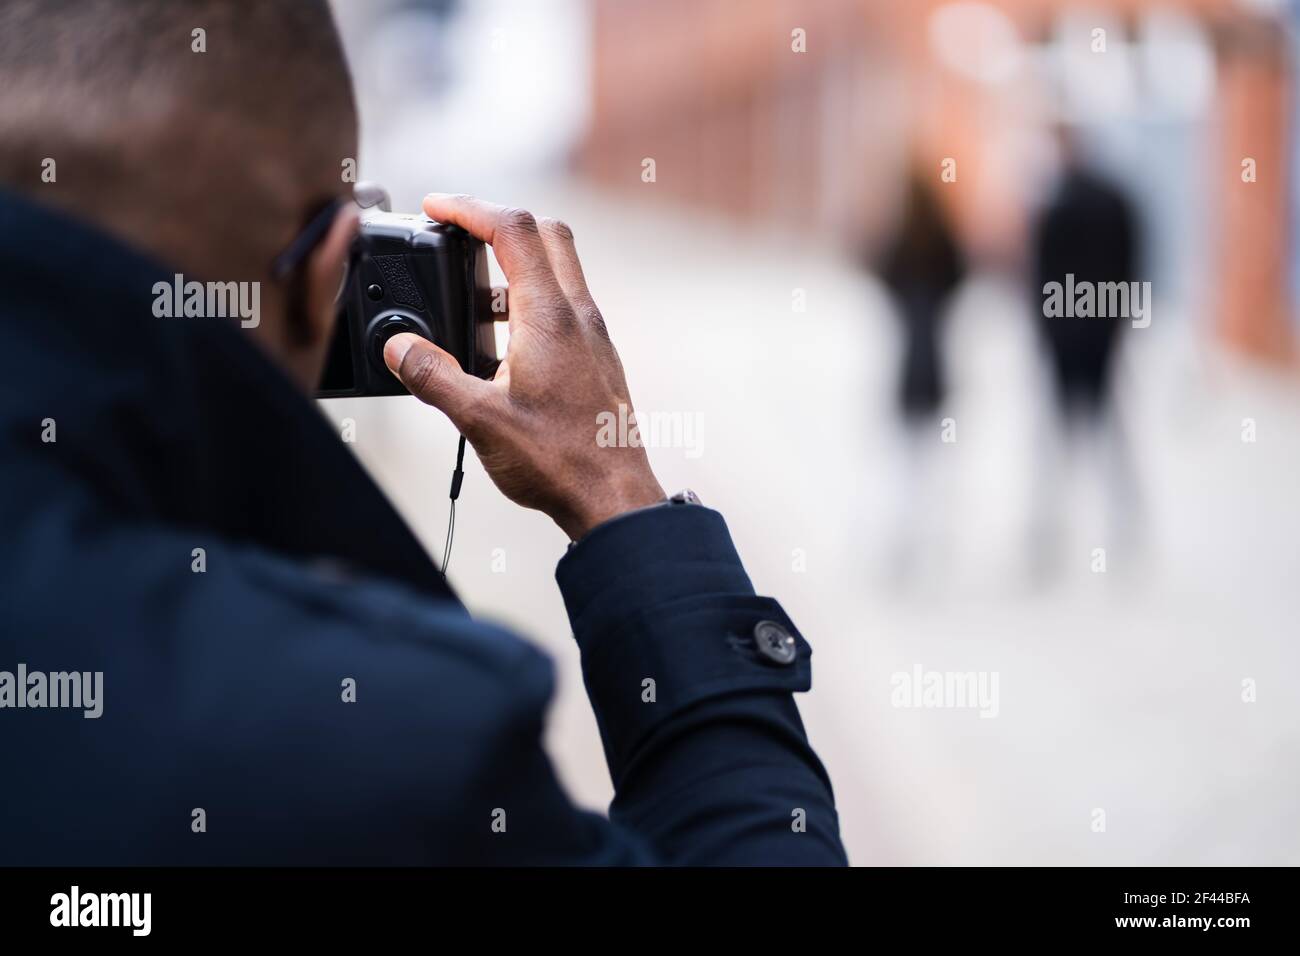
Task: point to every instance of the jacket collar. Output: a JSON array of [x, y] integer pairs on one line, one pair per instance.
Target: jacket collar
[[178, 421]]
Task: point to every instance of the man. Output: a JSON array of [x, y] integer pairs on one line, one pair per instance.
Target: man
[[284, 676], [1087, 234]]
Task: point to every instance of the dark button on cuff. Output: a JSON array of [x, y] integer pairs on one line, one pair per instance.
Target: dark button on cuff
[[774, 642]]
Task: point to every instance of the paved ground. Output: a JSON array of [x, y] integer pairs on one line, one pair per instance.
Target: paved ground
[[1119, 691]]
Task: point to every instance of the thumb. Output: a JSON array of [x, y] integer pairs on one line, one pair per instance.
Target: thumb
[[433, 376]]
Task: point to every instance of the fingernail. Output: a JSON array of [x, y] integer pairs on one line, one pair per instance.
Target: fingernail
[[395, 350]]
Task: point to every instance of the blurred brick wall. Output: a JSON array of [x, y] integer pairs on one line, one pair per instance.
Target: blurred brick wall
[[734, 120]]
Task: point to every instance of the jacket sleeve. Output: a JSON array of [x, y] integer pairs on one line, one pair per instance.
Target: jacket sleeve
[[709, 759]]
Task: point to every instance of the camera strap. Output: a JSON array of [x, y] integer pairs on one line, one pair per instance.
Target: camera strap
[[457, 477]]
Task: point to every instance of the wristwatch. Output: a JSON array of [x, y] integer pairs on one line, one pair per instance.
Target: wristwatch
[[683, 497]]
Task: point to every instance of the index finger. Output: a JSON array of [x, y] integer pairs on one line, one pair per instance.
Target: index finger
[[512, 234]]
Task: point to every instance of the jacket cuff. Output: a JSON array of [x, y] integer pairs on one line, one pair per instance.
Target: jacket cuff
[[660, 595]]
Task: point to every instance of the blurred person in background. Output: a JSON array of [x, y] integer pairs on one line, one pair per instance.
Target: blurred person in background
[[1086, 232], [921, 265]]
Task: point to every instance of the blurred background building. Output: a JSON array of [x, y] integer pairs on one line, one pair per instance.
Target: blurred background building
[[738, 176]]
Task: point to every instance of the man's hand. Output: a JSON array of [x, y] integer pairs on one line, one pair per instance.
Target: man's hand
[[534, 425]]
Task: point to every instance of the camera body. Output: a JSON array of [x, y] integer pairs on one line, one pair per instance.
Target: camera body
[[407, 273]]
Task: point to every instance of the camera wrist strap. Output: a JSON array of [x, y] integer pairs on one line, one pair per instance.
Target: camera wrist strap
[[457, 477]]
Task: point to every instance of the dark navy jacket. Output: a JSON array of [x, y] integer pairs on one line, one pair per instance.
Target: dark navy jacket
[[222, 688]]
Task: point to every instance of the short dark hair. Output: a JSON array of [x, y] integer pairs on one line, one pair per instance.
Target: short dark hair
[[231, 114]]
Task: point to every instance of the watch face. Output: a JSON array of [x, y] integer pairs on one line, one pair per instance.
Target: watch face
[[686, 497]]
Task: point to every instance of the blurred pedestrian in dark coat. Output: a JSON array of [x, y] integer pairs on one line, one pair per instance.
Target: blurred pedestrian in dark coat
[[921, 266]]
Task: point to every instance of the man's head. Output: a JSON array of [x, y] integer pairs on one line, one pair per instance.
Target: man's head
[[206, 132]]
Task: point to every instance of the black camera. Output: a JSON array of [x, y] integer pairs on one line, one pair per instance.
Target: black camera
[[407, 273]]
